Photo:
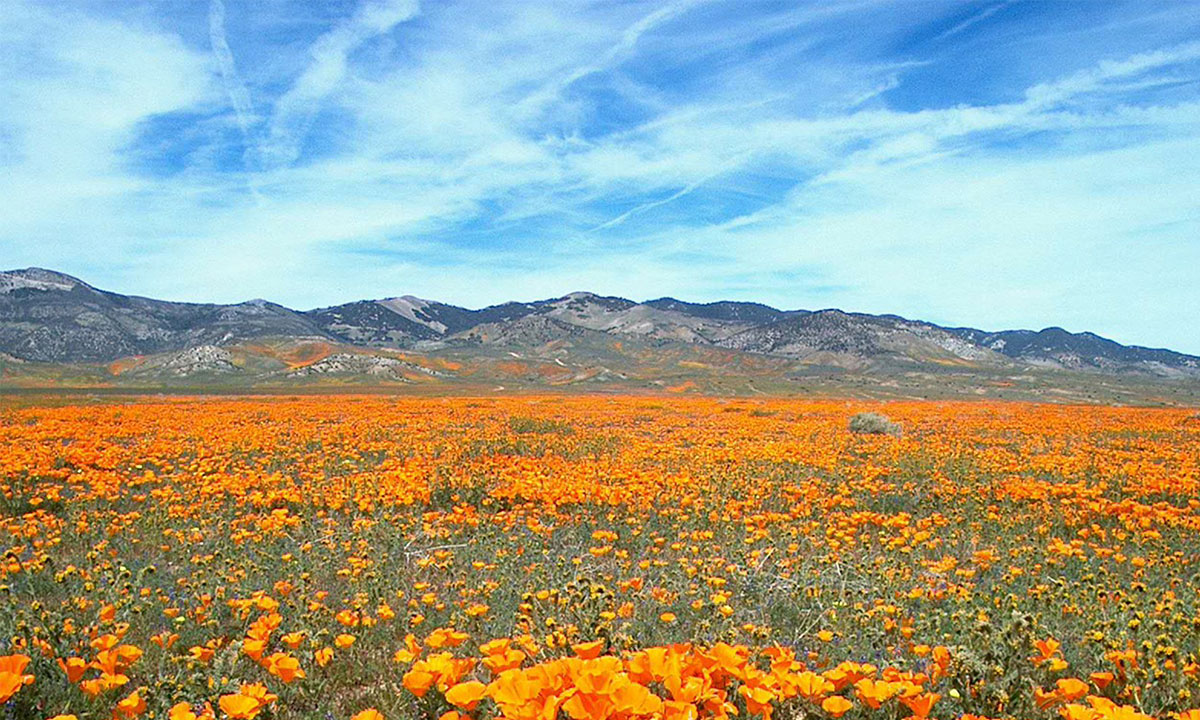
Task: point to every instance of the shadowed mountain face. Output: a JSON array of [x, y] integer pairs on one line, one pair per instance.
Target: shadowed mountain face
[[736, 312], [47, 316], [846, 338], [1055, 347], [51, 317]]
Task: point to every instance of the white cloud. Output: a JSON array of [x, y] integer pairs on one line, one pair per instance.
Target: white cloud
[[495, 151], [235, 87], [79, 90], [295, 110]]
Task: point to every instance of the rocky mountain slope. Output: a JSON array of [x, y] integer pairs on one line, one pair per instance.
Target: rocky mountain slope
[[52, 317], [840, 338], [1057, 348], [49, 317]]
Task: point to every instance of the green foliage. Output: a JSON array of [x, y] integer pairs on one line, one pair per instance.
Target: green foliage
[[538, 426]]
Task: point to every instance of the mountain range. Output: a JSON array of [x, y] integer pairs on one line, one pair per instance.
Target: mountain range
[[49, 319]]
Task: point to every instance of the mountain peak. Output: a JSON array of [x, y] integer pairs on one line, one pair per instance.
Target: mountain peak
[[36, 278], [580, 295]]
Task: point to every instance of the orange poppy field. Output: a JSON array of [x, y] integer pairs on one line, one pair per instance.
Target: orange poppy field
[[544, 558]]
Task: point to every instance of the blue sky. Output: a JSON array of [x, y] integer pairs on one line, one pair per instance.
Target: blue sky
[[1011, 163]]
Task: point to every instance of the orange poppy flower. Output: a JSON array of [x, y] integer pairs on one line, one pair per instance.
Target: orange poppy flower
[[12, 675], [836, 705], [466, 695]]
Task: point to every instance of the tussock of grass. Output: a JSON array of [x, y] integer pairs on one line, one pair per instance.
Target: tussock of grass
[[538, 426]]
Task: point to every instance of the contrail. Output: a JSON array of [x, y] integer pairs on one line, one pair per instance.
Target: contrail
[[239, 96], [651, 205], [977, 18], [293, 113], [686, 190], [624, 46]]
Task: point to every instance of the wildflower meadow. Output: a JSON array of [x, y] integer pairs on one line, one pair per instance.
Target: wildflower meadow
[[592, 557]]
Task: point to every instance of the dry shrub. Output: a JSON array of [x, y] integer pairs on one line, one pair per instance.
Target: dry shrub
[[870, 423]]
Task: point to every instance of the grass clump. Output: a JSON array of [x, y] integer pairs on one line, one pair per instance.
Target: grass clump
[[538, 426]]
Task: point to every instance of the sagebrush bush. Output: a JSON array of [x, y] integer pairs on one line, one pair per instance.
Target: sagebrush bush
[[870, 423]]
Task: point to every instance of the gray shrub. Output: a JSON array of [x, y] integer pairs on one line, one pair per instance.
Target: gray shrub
[[870, 423]]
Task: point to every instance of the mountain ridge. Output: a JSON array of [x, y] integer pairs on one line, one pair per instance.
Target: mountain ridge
[[51, 317]]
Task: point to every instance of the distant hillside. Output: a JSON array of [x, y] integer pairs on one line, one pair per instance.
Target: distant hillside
[[1055, 347], [52, 319]]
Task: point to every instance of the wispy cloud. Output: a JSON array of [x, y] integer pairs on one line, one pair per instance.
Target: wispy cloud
[[975, 19], [235, 88], [622, 49], [933, 159], [1102, 75], [682, 192], [296, 109]]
